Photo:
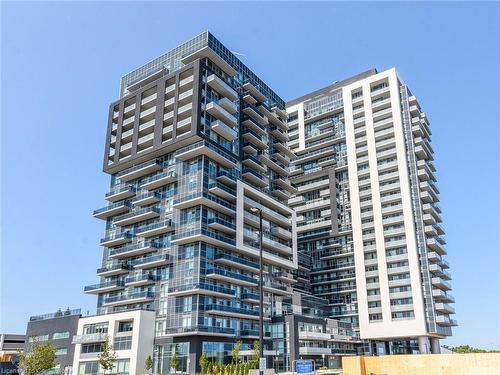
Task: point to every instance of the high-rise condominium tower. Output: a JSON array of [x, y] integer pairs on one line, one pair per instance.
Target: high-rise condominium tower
[[195, 141], [367, 211]]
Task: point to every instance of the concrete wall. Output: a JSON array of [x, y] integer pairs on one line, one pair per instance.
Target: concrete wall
[[425, 364]]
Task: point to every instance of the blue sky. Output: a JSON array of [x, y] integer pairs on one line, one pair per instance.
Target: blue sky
[[61, 65]]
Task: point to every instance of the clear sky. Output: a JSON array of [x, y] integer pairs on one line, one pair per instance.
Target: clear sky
[[61, 65]]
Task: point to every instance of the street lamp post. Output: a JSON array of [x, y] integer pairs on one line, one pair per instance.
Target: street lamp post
[[261, 290]]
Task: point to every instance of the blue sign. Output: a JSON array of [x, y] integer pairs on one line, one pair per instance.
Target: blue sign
[[304, 367]]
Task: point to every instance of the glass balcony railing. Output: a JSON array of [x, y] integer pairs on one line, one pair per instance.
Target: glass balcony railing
[[207, 329], [109, 284], [137, 167], [231, 309], [204, 286], [204, 232], [222, 187], [115, 267], [120, 189], [232, 275], [236, 259], [151, 259], [139, 278], [112, 207], [129, 297], [131, 248]]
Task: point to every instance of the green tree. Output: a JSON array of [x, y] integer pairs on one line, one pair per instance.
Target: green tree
[[235, 353], [468, 349], [107, 358], [148, 364], [254, 362], [174, 361], [42, 358], [204, 363]]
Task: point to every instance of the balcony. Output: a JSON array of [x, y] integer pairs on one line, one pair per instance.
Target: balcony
[[440, 283], [205, 235], [236, 312], [254, 91], [89, 338], [127, 299], [254, 138], [209, 150], [223, 130], [140, 280], [116, 239], [285, 150], [285, 184], [112, 210], [268, 242], [158, 180], [152, 261], [252, 162], [217, 111], [113, 270], [226, 178], [137, 216], [205, 199], [444, 320], [221, 87], [223, 275], [442, 296], [139, 170], [104, 287], [221, 225], [267, 213], [154, 229], [281, 232], [237, 262], [134, 250], [202, 288], [222, 191], [280, 193], [120, 192], [255, 177], [146, 199], [444, 308], [249, 148], [253, 125]]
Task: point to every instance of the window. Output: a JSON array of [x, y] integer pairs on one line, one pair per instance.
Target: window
[[92, 348], [121, 366], [38, 338], [91, 367], [95, 328], [122, 343], [62, 351], [60, 335], [125, 326]]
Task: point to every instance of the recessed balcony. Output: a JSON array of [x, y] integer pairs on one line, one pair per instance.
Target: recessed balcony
[[127, 299], [112, 210], [281, 232], [223, 130], [139, 170], [137, 216], [120, 192], [217, 111], [159, 180], [104, 287], [209, 150], [134, 250], [280, 193], [226, 178]]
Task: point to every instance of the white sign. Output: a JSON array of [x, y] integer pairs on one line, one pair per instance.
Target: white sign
[[262, 364]]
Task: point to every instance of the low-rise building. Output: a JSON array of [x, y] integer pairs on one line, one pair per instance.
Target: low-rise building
[[57, 328], [130, 333]]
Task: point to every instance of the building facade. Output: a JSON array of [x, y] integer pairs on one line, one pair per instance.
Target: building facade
[[130, 333], [195, 141], [10, 345], [368, 219], [57, 328]]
